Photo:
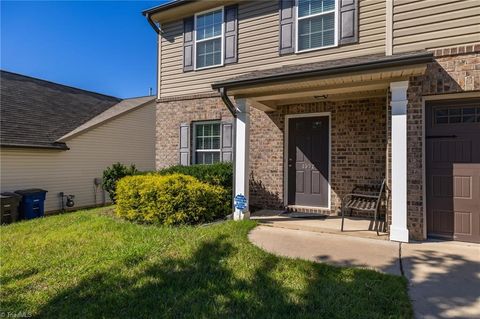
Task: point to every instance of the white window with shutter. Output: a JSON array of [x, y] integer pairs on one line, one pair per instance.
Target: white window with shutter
[[210, 142], [317, 24], [209, 29], [206, 143]]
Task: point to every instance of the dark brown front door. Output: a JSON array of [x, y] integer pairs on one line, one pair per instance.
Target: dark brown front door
[[308, 157], [453, 169]]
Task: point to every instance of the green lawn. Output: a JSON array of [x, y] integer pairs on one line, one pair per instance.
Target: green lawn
[[91, 265]]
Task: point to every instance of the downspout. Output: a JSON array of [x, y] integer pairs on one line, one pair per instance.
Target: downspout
[[158, 31], [227, 101], [231, 107], [154, 26]]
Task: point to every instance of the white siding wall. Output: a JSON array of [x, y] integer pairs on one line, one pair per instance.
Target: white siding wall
[[129, 138]]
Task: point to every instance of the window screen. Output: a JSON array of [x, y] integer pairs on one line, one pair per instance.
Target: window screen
[[209, 39], [207, 143], [316, 24]]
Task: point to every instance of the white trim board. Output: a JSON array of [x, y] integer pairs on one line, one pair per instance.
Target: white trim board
[[285, 155]]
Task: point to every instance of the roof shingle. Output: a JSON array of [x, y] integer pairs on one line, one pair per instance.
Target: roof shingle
[[36, 113], [335, 66]]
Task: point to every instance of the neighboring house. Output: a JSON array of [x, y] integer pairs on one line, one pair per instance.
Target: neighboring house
[[61, 138], [325, 95]]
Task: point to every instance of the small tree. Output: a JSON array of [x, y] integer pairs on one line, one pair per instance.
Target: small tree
[[111, 175]]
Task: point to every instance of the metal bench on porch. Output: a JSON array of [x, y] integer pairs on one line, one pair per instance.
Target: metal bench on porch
[[364, 199]]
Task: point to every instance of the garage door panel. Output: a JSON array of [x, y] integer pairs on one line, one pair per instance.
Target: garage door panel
[[443, 222], [453, 169], [442, 186], [463, 223], [450, 150], [462, 187]]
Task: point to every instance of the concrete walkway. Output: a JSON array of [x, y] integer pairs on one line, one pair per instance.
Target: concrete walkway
[[444, 277]]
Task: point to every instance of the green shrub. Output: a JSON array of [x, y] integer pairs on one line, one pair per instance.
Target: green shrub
[[220, 174], [111, 175], [169, 199]]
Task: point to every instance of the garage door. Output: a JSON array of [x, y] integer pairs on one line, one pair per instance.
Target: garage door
[[453, 169]]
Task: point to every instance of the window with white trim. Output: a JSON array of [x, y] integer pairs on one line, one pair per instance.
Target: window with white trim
[[455, 115], [207, 142], [208, 39], [316, 21]]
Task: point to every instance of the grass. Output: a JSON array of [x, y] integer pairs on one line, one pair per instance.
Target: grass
[[91, 265]]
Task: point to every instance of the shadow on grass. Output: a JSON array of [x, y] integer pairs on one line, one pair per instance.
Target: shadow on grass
[[206, 286]]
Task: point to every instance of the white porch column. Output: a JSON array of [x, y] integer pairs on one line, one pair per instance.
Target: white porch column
[[242, 150], [398, 229]]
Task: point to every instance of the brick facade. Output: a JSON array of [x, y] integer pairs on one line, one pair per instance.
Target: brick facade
[[360, 134], [455, 70], [358, 147], [173, 112], [358, 143]]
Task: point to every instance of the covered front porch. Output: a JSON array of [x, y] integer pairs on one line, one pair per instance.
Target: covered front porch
[[354, 226], [306, 135]]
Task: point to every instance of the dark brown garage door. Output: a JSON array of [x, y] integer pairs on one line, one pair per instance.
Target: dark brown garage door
[[453, 169]]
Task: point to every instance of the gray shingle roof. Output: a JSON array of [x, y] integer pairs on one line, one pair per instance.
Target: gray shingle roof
[[36, 113], [123, 107], [338, 66]]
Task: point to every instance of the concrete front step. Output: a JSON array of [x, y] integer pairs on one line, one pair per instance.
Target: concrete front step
[[356, 227]]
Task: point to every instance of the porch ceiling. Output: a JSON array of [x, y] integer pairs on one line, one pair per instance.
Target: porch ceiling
[[372, 84], [354, 85], [327, 80]]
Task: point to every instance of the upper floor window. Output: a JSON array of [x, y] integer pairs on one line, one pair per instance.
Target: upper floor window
[[208, 39], [316, 24]]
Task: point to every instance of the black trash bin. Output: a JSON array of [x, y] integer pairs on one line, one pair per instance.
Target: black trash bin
[[33, 203], [9, 203]]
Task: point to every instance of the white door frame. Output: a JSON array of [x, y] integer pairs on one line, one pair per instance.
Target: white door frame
[[285, 157]]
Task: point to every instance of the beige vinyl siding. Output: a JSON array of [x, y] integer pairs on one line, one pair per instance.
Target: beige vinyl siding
[[129, 138], [428, 24], [258, 47]]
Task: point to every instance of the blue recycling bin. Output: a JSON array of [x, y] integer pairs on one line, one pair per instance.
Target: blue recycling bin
[[33, 203]]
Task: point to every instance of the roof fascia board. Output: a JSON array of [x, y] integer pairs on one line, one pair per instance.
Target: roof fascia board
[[93, 125], [60, 147], [384, 63], [165, 6]]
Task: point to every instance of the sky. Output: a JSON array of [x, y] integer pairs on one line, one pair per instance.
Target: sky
[[102, 46]]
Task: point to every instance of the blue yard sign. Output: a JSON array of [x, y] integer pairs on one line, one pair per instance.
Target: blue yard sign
[[240, 202]]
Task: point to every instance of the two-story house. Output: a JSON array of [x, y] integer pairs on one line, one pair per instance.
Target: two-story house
[[310, 97]]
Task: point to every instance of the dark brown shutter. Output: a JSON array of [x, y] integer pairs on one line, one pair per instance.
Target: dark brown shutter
[[184, 148], [231, 34], [287, 27], [188, 44], [348, 22], [227, 142]]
